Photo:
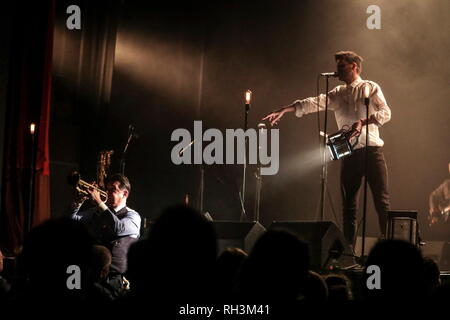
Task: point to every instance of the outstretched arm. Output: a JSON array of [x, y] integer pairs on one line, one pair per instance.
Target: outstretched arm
[[276, 115], [306, 106]]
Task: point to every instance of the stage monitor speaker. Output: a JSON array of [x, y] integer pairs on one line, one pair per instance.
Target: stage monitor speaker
[[402, 225], [325, 242], [444, 261], [439, 252], [237, 234], [434, 250]]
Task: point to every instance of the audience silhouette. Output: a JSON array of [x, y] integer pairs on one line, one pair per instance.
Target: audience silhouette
[[276, 269], [401, 272], [177, 265]]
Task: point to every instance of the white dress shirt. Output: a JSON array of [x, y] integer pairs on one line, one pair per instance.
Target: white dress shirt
[[347, 102]]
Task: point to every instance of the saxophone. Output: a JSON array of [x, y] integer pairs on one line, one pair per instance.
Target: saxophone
[[103, 163]]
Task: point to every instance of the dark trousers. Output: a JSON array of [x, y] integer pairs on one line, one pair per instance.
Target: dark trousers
[[352, 173]]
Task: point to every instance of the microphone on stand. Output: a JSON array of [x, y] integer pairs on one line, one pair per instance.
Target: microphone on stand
[[132, 132], [329, 74], [248, 99], [366, 93]]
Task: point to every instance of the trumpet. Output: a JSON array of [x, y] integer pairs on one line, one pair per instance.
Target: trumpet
[[82, 186]]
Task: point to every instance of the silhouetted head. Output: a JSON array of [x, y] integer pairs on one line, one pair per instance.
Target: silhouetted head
[[432, 274], [230, 259], [101, 261], [339, 288], [401, 271], [182, 248], [276, 269], [315, 289], [138, 267], [228, 266], [48, 252]]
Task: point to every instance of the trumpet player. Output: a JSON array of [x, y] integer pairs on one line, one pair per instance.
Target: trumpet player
[[111, 222]]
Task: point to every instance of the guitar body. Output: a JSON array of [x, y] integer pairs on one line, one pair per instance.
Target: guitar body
[[439, 218]]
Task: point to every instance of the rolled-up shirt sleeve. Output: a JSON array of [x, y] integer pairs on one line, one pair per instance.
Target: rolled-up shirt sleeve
[[313, 104], [382, 112]]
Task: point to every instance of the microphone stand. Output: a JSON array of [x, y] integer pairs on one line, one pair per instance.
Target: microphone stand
[[366, 162], [324, 158], [131, 134], [258, 191], [242, 193], [258, 176], [202, 178], [202, 186]]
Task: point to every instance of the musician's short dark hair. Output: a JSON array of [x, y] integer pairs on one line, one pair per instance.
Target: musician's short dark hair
[[124, 183], [350, 57]]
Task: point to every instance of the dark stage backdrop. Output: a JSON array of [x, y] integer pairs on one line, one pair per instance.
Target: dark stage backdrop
[[6, 30], [176, 64]]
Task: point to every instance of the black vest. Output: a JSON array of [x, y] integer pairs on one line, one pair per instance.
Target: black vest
[[118, 246]]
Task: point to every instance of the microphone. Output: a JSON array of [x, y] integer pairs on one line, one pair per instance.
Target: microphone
[[329, 74], [366, 90], [132, 132], [366, 93]]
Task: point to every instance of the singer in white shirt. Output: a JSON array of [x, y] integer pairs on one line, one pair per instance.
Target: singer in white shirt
[[347, 102]]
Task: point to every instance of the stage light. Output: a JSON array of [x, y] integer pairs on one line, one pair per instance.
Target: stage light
[[32, 127], [248, 96]]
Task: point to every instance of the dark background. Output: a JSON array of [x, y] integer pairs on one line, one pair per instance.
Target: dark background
[[171, 64]]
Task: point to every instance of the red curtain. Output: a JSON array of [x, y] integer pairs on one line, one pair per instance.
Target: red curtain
[[42, 179], [29, 96]]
